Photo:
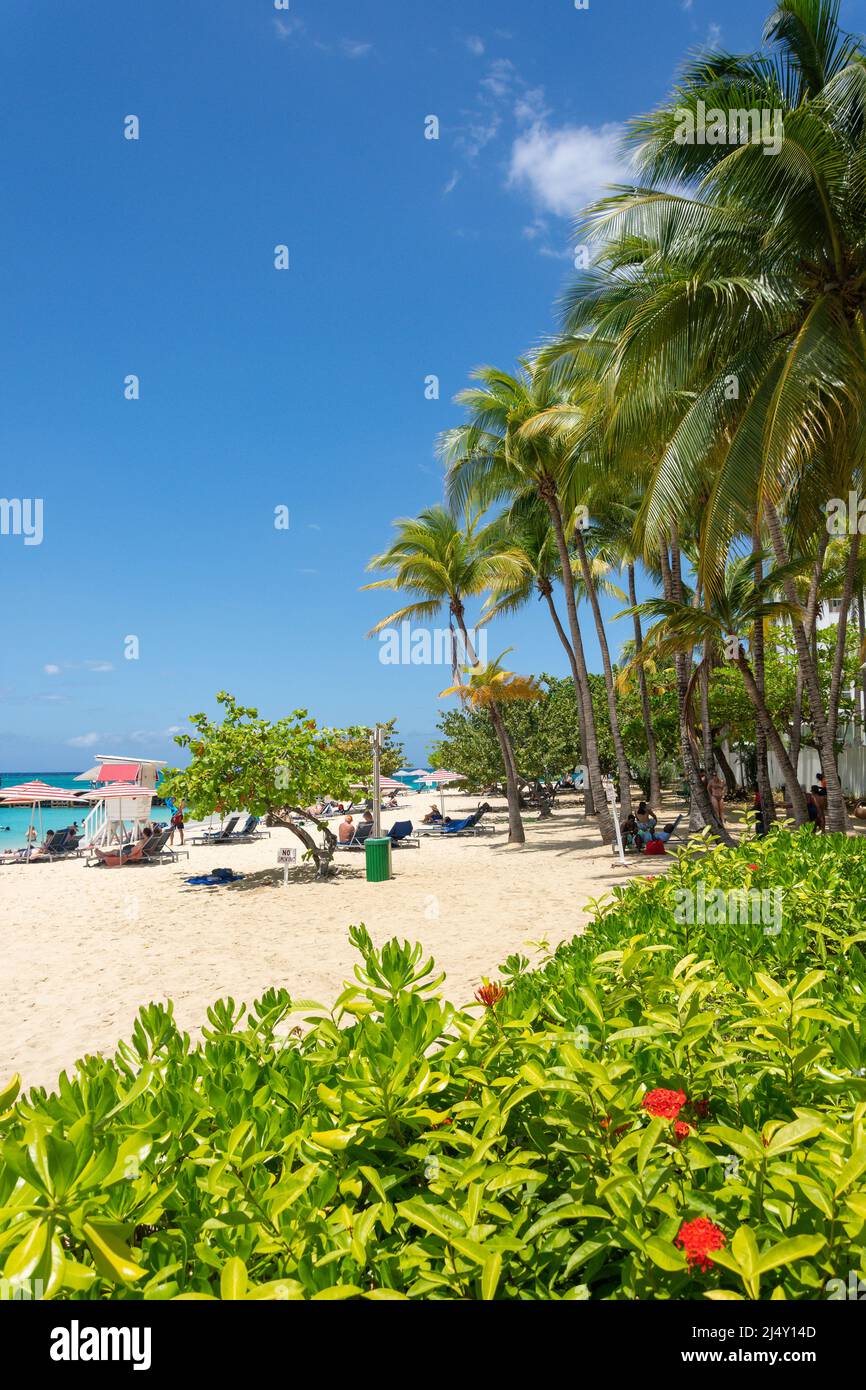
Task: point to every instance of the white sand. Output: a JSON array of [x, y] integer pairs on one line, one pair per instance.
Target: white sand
[[84, 948]]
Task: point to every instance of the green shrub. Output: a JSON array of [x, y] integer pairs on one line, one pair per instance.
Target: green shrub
[[664, 1109]]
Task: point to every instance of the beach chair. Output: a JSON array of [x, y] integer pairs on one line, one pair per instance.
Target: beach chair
[[248, 831], [401, 836], [114, 856], [158, 851], [362, 833], [469, 825], [217, 836]]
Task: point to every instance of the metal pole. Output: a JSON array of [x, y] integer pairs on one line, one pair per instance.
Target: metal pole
[[377, 791]]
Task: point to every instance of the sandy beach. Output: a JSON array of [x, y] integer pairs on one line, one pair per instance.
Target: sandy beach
[[85, 948]]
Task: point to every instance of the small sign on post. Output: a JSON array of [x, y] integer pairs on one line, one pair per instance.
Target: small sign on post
[[287, 857], [610, 795]]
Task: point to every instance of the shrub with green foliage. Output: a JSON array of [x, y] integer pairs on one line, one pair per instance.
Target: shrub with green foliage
[[664, 1109]]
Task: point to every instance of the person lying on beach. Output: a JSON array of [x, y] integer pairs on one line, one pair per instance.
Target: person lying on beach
[[346, 830]]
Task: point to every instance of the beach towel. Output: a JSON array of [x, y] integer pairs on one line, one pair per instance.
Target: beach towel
[[215, 878]]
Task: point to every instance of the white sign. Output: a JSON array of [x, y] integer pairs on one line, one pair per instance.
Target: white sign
[[287, 857]]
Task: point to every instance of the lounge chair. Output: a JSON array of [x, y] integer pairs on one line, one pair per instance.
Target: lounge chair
[[113, 856], [362, 833], [217, 836], [158, 851], [401, 836], [469, 825], [249, 831]]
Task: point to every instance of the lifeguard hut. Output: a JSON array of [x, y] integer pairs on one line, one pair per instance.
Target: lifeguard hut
[[123, 790]]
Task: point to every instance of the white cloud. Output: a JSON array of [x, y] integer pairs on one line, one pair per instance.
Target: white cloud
[[475, 45], [353, 48], [289, 28], [714, 36], [99, 665], [51, 670], [83, 741], [565, 168], [530, 107], [500, 77], [451, 184]]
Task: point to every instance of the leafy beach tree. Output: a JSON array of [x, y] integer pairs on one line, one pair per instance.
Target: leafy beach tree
[[270, 768]]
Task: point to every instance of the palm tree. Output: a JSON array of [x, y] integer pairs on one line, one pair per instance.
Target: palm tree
[[490, 459], [528, 534], [733, 305], [489, 687], [740, 601], [442, 564]]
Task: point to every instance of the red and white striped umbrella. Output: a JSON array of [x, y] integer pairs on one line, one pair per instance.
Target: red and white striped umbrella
[[115, 791], [34, 793]]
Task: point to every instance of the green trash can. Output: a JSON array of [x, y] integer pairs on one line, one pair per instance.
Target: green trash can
[[378, 857]]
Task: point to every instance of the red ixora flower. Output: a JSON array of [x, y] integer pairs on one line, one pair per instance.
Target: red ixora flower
[[699, 1238], [681, 1130], [752, 866], [490, 995], [665, 1105]]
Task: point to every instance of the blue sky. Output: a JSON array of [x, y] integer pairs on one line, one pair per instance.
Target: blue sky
[[262, 388]]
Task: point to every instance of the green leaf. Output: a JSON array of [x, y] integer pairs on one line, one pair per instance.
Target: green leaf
[[787, 1251], [853, 1168], [490, 1277], [111, 1255], [233, 1280]]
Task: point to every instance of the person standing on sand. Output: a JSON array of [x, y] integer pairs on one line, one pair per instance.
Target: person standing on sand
[[177, 824], [716, 789]]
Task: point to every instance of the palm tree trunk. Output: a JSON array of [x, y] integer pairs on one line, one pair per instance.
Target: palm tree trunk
[[623, 771], [516, 833], [861, 624], [727, 770], [837, 812], [655, 788], [812, 604], [593, 765], [701, 806], [797, 795], [706, 727], [841, 632], [588, 802], [762, 772]]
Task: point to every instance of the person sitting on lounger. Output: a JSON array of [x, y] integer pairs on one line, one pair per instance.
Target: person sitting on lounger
[[433, 816], [631, 835], [367, 818], [645, 818], [346, 830]]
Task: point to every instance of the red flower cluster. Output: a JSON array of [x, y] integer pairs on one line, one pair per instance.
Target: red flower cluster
[[699, 1238], [490, 995], [754, 867], [664, 1105], [681, 1130]]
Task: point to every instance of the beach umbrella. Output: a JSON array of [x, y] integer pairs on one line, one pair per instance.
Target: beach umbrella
[[35, 794], [440, 778]]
